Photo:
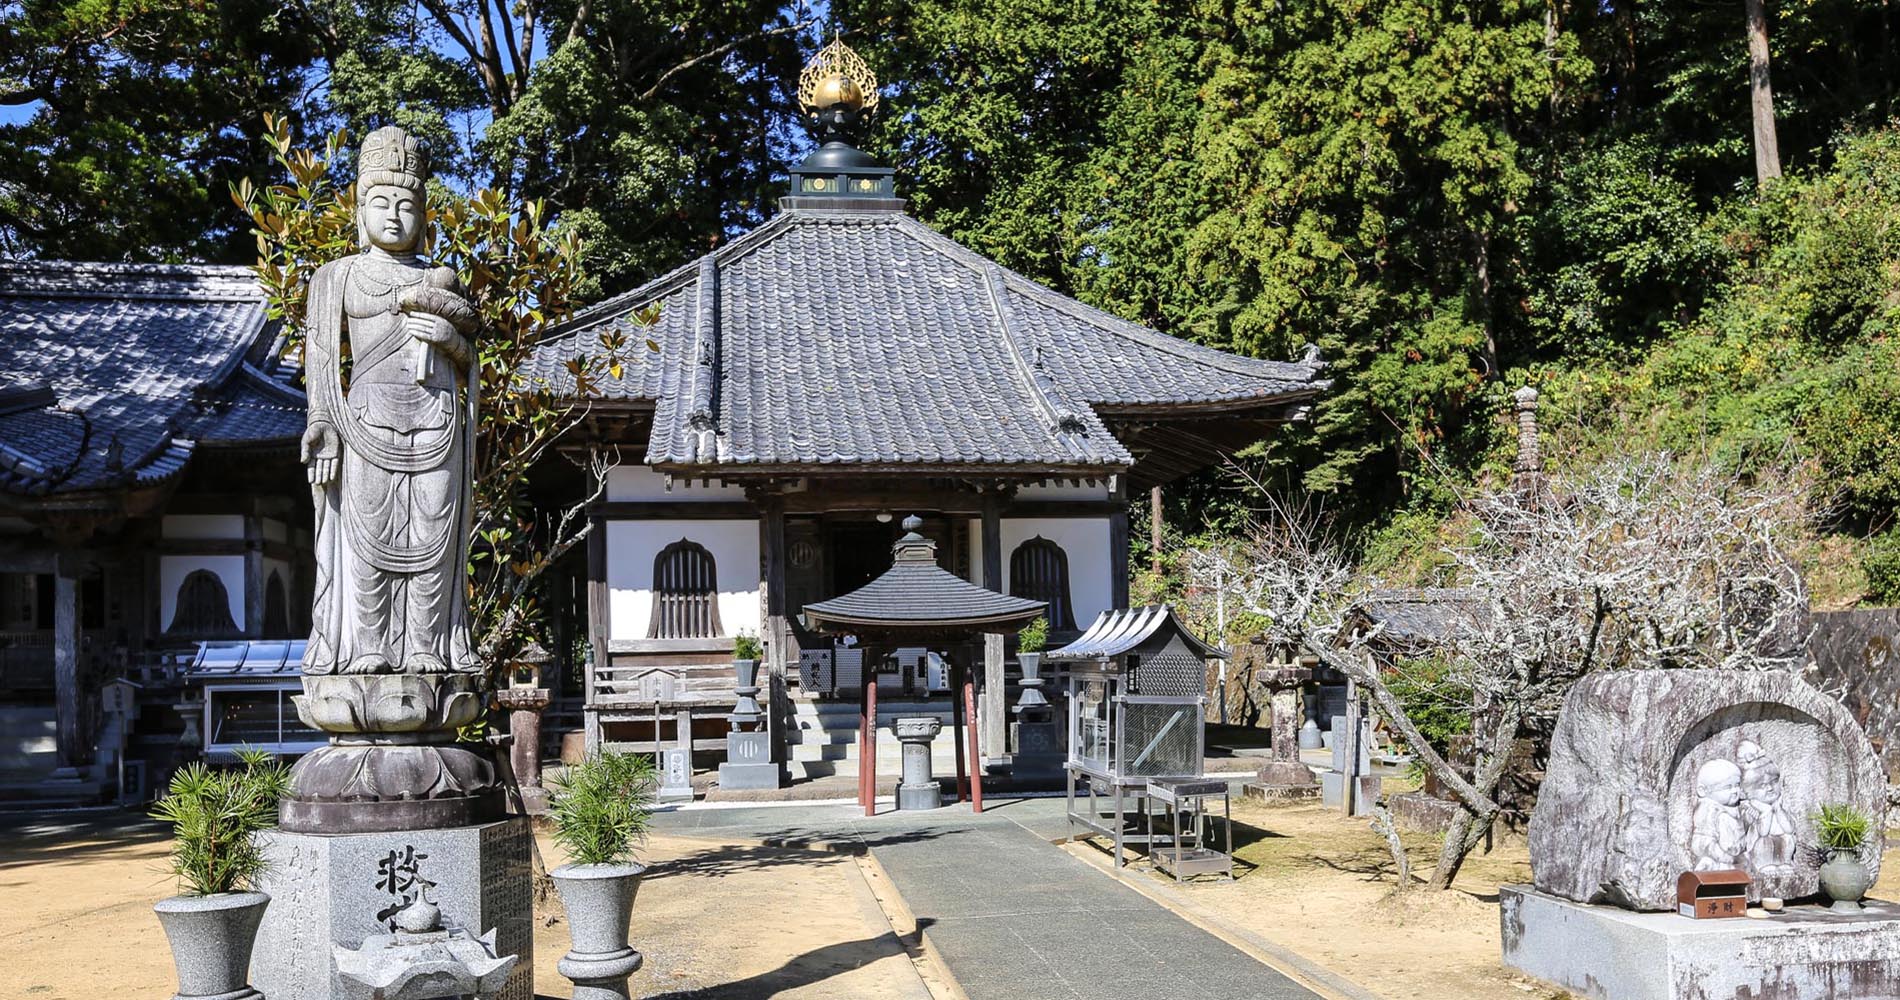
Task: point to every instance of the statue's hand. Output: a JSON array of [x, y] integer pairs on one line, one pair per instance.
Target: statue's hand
[[322, 450]]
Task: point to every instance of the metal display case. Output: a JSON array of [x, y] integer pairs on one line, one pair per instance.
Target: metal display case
[[1137, 686]]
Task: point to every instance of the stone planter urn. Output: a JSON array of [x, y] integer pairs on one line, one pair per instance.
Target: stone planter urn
[[211, 938], [599, 904], [746, 712], [1845, 879]]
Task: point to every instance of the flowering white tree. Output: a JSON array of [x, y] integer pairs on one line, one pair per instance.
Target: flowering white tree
[[1643, 562]]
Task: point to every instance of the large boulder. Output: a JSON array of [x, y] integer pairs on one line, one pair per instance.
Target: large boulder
[[1656, 772]]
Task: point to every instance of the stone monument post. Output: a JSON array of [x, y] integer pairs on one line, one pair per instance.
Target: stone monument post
[[395, 827], [1039, 753], [749, 763]]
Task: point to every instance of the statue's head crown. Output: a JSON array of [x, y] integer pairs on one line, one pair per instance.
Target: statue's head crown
[[392, 156]]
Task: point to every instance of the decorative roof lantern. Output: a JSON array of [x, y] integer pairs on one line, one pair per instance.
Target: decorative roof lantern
[[838, 95]]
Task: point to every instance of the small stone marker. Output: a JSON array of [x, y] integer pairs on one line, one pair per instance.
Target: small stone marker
[[676, 775]]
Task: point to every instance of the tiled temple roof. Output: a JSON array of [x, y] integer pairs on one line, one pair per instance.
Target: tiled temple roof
[[865, 339], [1420, 617], [113, 375], [917, 594]]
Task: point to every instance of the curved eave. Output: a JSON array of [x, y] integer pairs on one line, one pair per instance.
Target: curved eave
[[849, 467], [1212, 407], [818, 621]]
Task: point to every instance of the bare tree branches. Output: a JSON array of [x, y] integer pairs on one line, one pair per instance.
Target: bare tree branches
[[1643, 562]]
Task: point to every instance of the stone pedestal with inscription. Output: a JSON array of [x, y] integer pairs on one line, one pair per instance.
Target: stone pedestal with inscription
[[749, 763], [1610, 953], [340, 890]]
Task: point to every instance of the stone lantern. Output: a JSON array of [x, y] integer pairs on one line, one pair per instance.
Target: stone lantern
[[525, 699], [1283, 776]]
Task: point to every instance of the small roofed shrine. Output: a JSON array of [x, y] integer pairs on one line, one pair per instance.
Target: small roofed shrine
[[1137, 696], [916, 602], [832, 369]]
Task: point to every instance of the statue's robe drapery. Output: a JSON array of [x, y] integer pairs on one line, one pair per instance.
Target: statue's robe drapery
[[392, 527]]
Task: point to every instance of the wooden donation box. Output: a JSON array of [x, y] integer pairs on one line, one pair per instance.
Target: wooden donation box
[[1703, 895]]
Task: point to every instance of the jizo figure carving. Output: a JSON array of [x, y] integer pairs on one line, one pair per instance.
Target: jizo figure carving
[[389, 458], [389, 670], [1720, 836]]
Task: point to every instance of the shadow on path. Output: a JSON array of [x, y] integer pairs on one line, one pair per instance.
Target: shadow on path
[[31, 837], [800, 971]]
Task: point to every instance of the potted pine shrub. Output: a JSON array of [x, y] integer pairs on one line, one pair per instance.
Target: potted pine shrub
[[215, 816], [600, 809], [1029, 643], [1841, 830]]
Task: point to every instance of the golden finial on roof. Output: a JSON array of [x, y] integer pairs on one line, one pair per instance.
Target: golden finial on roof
[[836, 79]]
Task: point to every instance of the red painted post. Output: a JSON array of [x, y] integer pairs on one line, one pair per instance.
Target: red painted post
[[976, 760], [957, 722], [867, 750], [862, 739]]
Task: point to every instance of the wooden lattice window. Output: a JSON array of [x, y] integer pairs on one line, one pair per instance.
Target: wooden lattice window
[[1039, 570], [276, 608], [685, 593], [204, 608]]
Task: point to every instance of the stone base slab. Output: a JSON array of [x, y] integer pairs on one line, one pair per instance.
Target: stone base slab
[[751, 776], [1422, 812], [1606, 953], [1279, 793], [327, 890], [1332, 785]]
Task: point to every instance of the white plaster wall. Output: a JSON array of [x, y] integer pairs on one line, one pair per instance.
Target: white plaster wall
[[631, 546], [1085, 541], [1062, 491], [638, 482], [202, 526], [172, 571]]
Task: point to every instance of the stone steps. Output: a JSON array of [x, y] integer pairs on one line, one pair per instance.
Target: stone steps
[[824, 740], [29, 748]]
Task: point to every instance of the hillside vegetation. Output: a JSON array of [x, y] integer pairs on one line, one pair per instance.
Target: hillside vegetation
[[1451, 198]]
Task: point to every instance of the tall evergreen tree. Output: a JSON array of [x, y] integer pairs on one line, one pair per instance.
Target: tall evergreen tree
[[132, 118]]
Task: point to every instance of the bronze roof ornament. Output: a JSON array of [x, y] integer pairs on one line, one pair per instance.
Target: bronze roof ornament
[[837, 91]]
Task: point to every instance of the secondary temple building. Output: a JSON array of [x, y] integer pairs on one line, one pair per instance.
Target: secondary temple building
[[818, 379], [150, 500]]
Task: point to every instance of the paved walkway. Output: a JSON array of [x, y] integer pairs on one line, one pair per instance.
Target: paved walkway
[[1013, 916]]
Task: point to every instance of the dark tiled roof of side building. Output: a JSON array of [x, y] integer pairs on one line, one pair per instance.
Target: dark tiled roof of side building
[[113, 375], [865, 338]]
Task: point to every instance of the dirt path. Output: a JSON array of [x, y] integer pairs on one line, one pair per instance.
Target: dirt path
[[714, 919]]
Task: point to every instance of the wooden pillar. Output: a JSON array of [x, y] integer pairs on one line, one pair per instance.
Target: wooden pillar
[[777, 632], [976, 764], [254, 576], [70, 732], [867, 750], [958, 717], [994, 706], [1154, 528], [597, 628], [993, 541], [1118, 552]]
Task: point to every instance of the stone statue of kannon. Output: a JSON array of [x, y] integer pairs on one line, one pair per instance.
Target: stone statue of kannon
[[389, 459], [388, 669]]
